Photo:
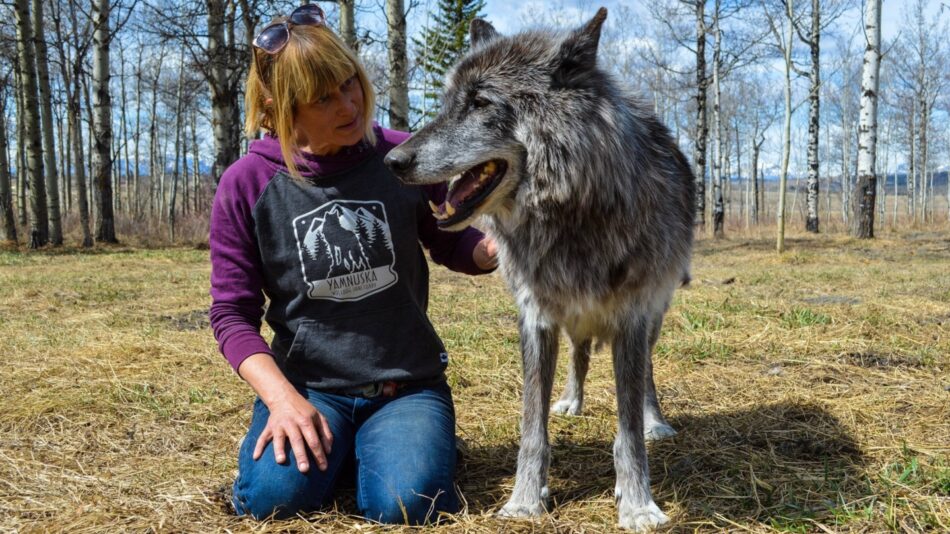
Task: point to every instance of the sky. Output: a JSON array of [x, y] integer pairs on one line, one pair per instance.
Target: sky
[[508, 16]]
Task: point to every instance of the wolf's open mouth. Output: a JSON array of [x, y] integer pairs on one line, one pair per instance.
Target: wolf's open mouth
[[468, 190]]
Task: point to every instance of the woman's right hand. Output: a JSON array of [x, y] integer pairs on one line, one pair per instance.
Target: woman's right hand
[[292, 417]]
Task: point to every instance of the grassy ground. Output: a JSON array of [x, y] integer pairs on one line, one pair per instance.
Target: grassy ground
[[811, 392]]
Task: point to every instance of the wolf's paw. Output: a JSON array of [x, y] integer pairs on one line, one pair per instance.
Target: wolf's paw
[[642, 519], [658, 431], [568, 407], [514, 510]]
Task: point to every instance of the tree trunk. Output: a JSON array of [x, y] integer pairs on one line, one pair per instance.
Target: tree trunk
[[923, 124], [912, 166], [398, 66], [348, 23], [195, 159], [6, 192], [717, 181], [63, 147], [811, 221], [845, 167], [136, 171], [39, 218], [79, 165], [743, 205], [867, 131], [756, 147], [162, 198], [153, 139], [178, 148], [786, 131], [124, 135], [882, 182], [225, 119], [102, 156], [46, 108], [702, 129], [21, 164]]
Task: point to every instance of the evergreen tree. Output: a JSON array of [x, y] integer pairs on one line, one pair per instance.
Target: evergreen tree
[[442, 43]]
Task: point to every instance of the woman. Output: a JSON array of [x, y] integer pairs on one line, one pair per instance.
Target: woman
[[312, 219]]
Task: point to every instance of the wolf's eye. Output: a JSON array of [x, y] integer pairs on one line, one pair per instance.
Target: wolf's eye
[[479, 101]]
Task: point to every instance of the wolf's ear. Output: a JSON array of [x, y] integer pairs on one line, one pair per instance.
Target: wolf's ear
[[481, 31], [578, 53]]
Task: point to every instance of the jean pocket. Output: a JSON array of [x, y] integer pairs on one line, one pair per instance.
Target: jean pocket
[[395, 343]]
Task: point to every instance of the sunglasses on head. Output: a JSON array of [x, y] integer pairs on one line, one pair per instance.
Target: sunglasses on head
[[274, 37]]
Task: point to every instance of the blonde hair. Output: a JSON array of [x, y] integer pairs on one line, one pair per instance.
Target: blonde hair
[[312, 64]]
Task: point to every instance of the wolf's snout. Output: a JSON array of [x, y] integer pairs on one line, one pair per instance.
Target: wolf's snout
[[400, 161]]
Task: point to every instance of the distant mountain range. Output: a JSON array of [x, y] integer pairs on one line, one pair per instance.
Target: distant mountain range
[[941, 178]]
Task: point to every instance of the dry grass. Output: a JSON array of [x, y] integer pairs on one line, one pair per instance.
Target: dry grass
[[811, 393]]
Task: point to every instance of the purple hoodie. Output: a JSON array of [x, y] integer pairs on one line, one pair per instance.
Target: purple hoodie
[[338, 247]]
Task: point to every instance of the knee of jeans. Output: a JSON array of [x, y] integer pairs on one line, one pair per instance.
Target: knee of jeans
[[410, 506], [278, 494]]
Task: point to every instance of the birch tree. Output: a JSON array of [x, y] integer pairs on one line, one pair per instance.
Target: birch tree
[[224, 78], [702, 127], [398, 66], [102, 133], [348, 23], [39, 219], [46, 109], [866, 187], [785, 44], [6, 192]]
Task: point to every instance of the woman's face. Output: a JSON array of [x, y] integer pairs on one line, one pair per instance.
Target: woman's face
[[330, 123]]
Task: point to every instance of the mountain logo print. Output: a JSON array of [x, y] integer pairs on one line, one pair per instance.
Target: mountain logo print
[[346, 250]]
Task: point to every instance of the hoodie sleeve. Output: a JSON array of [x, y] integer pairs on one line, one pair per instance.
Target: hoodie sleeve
[[236, 270], [451, 249]]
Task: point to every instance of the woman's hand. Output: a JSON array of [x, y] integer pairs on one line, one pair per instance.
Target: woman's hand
[[485, 254], [292, 417]]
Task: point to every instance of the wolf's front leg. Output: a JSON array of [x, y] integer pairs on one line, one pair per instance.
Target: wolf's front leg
[[572, 400], [539, 357], [637, 509]]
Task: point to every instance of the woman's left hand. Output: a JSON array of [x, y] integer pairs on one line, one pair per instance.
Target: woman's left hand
[[485, 254]]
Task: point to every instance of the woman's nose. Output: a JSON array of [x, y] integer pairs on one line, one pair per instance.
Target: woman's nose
[[347, 105]]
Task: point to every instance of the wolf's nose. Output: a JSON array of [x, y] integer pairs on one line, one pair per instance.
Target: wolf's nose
[[400, 161]]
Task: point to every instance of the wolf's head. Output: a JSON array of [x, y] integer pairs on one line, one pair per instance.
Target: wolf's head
[[511, 105]]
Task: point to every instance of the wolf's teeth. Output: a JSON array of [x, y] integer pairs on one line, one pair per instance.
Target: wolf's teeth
[[449, 209], [435, 209], [490, 167], [453, 181], [440, 216]]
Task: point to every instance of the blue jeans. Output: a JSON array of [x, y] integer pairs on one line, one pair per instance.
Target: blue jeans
[[403, 449]]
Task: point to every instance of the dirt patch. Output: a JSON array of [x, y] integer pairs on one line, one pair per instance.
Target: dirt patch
[[189, 321], [831, 299], [873, 360]]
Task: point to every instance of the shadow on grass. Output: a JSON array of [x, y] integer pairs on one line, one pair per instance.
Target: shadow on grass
[[780, 464]]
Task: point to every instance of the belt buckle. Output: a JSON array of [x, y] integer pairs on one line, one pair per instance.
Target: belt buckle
[[371, 390], [379, 389]]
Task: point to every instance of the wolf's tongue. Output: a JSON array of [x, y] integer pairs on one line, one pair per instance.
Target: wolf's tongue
[[463, 188]]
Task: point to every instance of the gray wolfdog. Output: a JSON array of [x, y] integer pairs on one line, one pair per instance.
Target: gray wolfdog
[[591, 203]]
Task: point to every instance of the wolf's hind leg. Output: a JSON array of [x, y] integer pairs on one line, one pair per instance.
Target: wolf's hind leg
[[635, 503], [655, 426], [572, 400], [539, 341]]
